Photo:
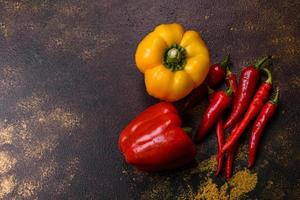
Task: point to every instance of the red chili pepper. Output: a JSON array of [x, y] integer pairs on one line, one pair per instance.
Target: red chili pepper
[[261, 121], [247, 83], [219, 102], [221, 140], [229, 161], [257, 103], [217, 73], [154, 140], [214, 78], [230, 82]]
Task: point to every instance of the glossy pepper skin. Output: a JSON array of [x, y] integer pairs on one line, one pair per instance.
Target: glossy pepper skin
[[215, 77], [247, 84], [217, 73], [219, 102], [155, 141], [173, 61], [257, 103], [259, 125]]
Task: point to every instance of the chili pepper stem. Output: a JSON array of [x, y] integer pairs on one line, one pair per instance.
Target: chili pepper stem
[[225, 61], [275, 99], [270, 78], [258, 64], [228, 71], [229, 91]]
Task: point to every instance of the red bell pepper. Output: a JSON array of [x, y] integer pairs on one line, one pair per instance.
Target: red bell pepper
[[155, 141]]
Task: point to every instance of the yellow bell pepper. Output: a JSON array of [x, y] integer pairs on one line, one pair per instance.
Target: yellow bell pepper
[[174, 62]]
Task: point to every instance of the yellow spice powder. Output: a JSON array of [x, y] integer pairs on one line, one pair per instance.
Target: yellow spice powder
[[242, 182]]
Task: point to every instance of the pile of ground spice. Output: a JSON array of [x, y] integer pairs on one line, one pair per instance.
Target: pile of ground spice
[[210, 191], [240, 184], [209, 165]]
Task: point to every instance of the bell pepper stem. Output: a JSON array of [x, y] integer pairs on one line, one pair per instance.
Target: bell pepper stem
[[275, 99], [188, 130], [259, 63], [269, 74], [225, 61], [175, 57]]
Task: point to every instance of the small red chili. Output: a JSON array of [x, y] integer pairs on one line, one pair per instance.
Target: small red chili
[[247, 83], [257, 103], [217, 73], [219, 102], [261, 121]]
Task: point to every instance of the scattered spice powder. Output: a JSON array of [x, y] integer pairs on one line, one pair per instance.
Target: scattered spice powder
[[160, 190], [241, 183], [205, 166], [210, 191]]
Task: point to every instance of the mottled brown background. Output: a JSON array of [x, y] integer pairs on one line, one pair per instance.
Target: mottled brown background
[[68, 85]]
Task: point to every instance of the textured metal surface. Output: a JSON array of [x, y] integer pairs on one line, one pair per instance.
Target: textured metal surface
[[68, 85]]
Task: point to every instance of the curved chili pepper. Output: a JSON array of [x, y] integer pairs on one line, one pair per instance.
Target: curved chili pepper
[[155, 141], [247, 83], [221, 140], [257, 103], [219, 102], [260, 123], [230, 81], [216, 73], [215, 76]]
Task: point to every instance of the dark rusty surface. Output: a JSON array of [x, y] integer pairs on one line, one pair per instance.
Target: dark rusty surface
[[68, 85]]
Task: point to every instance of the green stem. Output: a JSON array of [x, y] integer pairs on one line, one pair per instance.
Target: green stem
[[225, 61], [209, 89], [269, 74], [229, 91], [188, 130], [258, 64], [175, 57], [275, 99], [228, 72]]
